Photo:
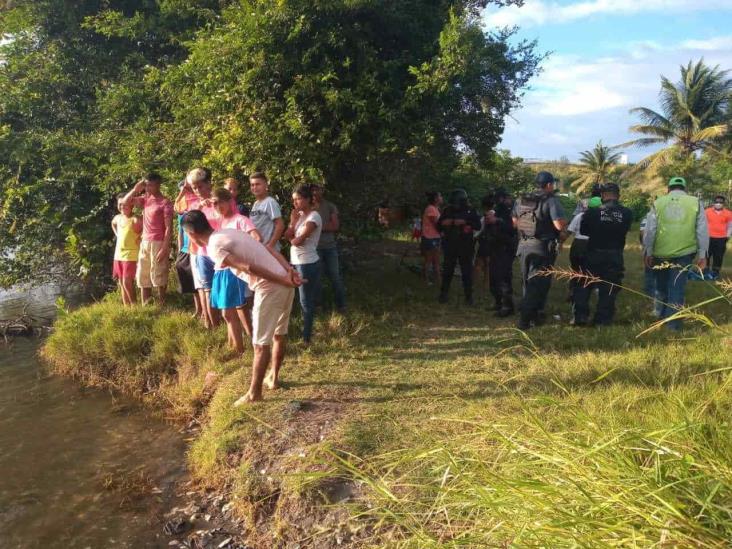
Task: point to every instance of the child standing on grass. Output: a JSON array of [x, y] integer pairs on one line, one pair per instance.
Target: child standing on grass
[[127, 229], [228, 292]]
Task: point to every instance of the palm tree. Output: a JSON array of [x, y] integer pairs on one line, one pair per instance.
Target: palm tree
[[693, 117], [595, 166]]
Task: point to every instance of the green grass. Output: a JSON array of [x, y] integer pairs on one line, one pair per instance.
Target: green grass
[[446, 426]]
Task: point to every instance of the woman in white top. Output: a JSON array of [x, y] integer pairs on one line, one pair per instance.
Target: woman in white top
[[304, 236]]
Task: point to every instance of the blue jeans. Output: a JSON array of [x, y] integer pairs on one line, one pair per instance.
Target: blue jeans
[[331, 267], [308, 296], [671, 286], [649, 288]]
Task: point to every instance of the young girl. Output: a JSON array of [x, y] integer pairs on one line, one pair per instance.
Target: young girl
[[228, 292], [430, 242], [127, 229], [304, 236]]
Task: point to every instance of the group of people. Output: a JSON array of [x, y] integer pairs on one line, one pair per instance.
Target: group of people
[[678, 236], [229, 258]]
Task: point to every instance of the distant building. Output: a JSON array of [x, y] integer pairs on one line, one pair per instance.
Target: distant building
[[623, 160]]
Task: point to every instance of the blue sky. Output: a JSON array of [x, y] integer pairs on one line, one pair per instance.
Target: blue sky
[[607, 57]]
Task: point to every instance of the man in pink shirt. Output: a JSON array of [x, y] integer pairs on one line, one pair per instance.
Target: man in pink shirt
[[157, 229], [273, 281]]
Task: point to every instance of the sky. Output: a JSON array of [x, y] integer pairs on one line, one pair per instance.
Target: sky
[[606, 57]]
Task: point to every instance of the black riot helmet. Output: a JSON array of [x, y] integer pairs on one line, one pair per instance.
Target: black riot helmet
[[459, 198]]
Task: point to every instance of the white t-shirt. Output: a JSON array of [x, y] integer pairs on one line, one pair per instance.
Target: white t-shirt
[[307, 252], [238, 222], [574, 227], [244, 248], [263, 215]]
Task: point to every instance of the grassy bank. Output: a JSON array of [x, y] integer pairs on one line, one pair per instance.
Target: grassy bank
[[442, 426]]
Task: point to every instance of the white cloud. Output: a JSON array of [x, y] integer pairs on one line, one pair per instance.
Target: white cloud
[[578, 100], [540, 12]]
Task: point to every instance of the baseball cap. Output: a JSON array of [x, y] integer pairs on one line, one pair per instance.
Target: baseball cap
[[677, 181], [544, 178], [595, 202]]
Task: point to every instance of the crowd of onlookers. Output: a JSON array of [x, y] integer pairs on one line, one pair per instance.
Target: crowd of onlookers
[[228, 253], [228, 258], [680, 239]]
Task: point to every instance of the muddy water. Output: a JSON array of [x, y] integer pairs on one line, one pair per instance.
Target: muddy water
[[78, 468]]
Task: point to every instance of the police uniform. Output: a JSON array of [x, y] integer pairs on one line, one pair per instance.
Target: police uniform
[[457, 243], [606, 227], [537, 249], [501, 253]]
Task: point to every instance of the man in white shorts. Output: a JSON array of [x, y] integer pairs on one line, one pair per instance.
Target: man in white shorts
[[273, 281]]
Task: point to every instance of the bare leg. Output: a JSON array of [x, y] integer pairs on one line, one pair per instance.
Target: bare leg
[[128, 286], [197, 305], [214, 314], [262, 355], [146, 295], [205, 311], [162, 291], [233, 328], [245, 317], [122, 290], [278, 356]]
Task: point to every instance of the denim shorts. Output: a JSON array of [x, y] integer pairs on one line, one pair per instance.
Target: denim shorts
[[429, 244], [205, 268]]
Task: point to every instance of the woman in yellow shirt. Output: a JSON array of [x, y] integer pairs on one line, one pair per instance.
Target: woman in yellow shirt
[[127, 229]]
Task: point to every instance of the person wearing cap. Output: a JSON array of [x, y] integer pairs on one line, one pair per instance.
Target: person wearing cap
[[584, 204], [676, 233], [719, 220], [578, 250], [606, 229], [540, 221], [457, 225]]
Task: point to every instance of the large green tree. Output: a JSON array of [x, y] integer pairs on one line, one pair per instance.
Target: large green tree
[[372, 97], [694, 115]]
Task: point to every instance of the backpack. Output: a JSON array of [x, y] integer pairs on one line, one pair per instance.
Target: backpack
[[528, 209]]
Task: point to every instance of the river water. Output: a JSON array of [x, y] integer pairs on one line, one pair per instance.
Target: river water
[[78, 468]]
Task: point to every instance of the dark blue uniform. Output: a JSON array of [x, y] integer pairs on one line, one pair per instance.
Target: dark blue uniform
[[607, 228], [457, 247], [502, 242]]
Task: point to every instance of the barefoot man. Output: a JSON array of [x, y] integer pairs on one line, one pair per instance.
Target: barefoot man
[[273, 281]]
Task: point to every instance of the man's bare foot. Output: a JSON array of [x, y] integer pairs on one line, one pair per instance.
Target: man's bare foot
[[270, 382], [246, 399]]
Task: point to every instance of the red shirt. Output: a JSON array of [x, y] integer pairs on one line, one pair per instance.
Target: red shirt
[[718, 222], [155, 212]]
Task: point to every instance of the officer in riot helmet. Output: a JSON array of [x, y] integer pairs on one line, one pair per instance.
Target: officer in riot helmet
[[457, 225], [540, 222], [606, 228], [501, 235]]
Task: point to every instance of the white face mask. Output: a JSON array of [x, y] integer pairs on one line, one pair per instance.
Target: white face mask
[[718, 205]]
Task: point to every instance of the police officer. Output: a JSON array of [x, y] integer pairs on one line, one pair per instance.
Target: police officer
[[540, 222], [457, 225], [606, 228], [501, 252]]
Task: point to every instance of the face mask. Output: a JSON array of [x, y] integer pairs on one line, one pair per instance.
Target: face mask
[[718, 205]]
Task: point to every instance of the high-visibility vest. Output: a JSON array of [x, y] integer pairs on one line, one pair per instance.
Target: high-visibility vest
[[676, 216]]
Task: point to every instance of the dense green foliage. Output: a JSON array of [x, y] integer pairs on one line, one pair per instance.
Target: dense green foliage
[[373, 98]]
